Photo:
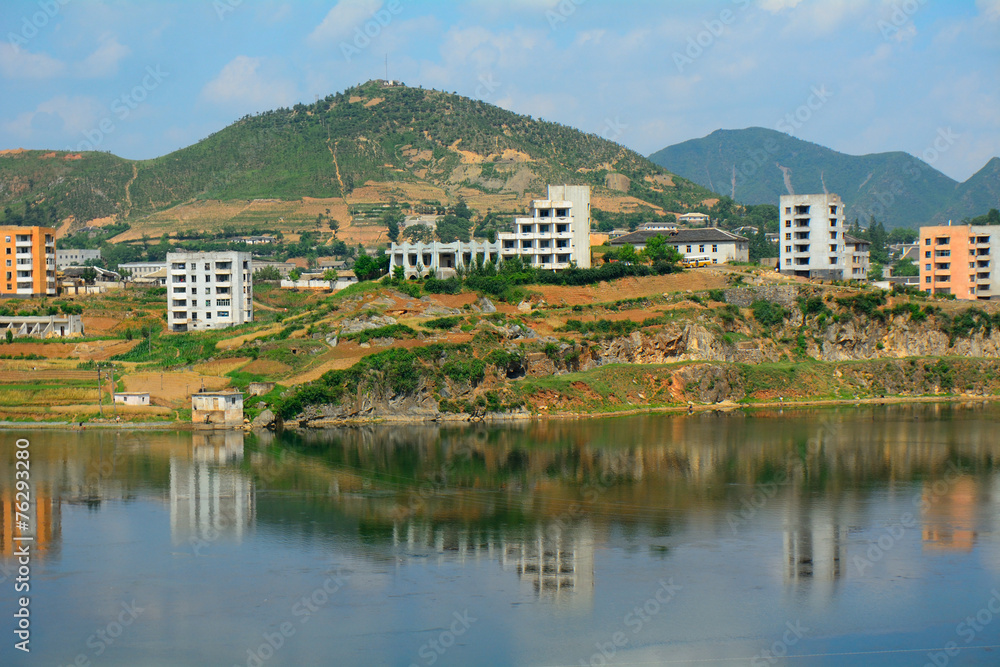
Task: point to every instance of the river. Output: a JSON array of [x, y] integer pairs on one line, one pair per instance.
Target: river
[[855, 535]]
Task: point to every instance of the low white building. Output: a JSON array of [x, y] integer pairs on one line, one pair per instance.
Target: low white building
[[42, 326], [75, 256], [555, 235], [694, 218], [718, 245], [209, 290], [134, 398], [658, 227], [137, 269], [440, 259]]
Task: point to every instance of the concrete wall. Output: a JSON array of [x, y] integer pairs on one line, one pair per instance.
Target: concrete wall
[[217, 409], [743, 297]]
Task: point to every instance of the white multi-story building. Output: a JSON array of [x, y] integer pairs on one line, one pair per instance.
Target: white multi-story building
[[813, 242], [556, 233], [209, 290]]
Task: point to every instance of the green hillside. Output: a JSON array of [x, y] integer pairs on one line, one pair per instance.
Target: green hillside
[[752, 165], [326, 149]]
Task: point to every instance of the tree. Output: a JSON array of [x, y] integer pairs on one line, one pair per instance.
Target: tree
[[399, 274], [462, 210], [329, 275], [392, 220], [89, 275], [905, 267], [334, 226], [658, 250], [367, 268], [875, 272], [453, 228], [266, 273], [760, 247], [294, 274]]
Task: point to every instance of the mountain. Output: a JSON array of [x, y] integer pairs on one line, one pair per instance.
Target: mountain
[[370, 133], [757, 166]]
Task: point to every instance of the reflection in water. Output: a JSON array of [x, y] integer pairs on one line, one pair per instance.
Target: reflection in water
[[950, 514], [555, 562], [548, 533], [208, 497]]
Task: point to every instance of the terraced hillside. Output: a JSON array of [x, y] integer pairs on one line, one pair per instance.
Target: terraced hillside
[[413, 139]]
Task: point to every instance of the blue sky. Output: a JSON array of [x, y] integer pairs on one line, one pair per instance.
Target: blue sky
[[141, 78]]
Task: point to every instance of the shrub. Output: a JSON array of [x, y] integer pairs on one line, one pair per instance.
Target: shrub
[[768, 313], [447, 286], [443, 323]]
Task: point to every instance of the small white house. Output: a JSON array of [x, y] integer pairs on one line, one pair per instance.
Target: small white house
[[134, 398]]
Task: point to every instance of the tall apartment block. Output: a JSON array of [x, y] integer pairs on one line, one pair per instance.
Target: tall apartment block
[[208, 290], [811, 237], [959, 260], [556, 233], [29, 255]]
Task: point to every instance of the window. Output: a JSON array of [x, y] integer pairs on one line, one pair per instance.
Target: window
[[8, 262], [208, 302], [927, 267], [8, 239], [788, 223], [688, 249], [788, 248], [208, 316], [927, 241], [715, 248], [223, 313], [788, 237], [701, 248]]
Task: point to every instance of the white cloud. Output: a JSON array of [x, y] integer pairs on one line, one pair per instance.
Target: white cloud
[[104, 61], [59, 116], [18, 63], [240, 83], [990, 8], [341, 21]]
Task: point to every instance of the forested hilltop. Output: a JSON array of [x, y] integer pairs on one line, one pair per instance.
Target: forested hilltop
[[333, 146]]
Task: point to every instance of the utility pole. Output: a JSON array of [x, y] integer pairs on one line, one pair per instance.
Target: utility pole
[[100, 396], [114, 403]]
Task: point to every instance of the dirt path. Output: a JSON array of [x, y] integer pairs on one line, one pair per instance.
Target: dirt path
[[128, 191], [340, 181]]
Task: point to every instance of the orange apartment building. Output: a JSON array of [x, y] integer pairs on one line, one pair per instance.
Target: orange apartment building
[[29, 261], [959, 260]]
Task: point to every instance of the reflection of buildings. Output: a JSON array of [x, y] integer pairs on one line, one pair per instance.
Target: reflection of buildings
[[207, 499], [557, 563], [559, 566], [815, 542], [44, 522], [949, 520]]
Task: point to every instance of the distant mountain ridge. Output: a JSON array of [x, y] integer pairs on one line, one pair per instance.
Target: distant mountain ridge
[[758, 165], [369, 133]]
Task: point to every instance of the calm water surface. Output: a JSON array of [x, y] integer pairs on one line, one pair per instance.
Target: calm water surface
[[835, 537]]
